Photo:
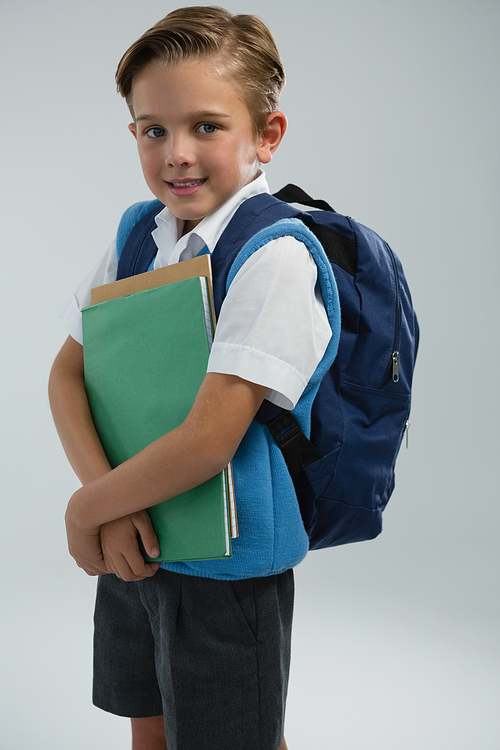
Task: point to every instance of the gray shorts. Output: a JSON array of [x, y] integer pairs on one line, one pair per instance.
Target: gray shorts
[[212, 656]]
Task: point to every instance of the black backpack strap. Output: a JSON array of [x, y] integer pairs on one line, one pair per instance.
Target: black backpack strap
[[297, 450], [340, 247], [293, 194]]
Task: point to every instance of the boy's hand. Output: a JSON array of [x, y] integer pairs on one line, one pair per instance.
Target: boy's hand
[[84, 544], [120, 546]]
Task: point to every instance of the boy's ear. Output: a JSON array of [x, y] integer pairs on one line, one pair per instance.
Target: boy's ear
[[271, 138], [132, 129]]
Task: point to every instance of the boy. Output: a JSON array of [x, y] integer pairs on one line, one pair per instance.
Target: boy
[[197, 654]]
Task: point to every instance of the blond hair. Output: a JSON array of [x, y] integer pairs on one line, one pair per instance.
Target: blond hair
[[241, 46]]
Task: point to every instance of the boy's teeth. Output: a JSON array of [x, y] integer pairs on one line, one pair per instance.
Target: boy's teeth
[[187, 184]]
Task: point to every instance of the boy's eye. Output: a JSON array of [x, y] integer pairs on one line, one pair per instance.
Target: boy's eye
[[206, 128], [155, 132]]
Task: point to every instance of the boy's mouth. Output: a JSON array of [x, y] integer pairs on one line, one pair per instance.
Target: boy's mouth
[[185, 187]]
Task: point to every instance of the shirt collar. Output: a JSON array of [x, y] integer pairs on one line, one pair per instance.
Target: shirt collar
[[171, 248]]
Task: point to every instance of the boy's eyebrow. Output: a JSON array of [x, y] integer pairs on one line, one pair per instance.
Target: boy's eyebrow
[[204, 115], [207, 115]]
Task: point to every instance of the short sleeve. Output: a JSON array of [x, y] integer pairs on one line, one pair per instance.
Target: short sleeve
[[273, 328], [103, 273]]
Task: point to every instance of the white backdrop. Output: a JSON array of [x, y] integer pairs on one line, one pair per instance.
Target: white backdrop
[[394, 119]]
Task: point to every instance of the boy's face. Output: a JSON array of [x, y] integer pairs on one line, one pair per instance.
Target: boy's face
[[195, 138]]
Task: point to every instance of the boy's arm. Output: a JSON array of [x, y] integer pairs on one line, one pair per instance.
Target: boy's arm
[[73, 419], [72, 416], [178, 461]]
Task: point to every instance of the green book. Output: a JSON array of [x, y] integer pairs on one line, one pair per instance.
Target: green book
[[145, 357]]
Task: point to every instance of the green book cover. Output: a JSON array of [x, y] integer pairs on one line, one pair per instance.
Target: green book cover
[[145, 357]]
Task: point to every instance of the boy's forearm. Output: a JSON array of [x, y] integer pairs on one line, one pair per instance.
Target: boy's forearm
[[180, 460], [159, 472], [72, 416]]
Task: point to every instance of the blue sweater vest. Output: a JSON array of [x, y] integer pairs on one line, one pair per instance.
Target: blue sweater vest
[[272, 537]]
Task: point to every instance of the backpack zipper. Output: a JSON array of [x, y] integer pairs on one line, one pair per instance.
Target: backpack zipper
[[393, 365]]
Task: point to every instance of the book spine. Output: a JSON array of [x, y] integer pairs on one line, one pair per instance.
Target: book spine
[[206, 306]]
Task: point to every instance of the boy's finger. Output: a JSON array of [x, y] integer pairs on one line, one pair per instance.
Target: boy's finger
[[129, 565], [91, 570], [134, 569], [149, 539]]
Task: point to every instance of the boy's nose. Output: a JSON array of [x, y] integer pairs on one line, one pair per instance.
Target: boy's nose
[[179, 154]]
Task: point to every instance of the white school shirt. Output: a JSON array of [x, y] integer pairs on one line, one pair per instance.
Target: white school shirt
[[272, 329]]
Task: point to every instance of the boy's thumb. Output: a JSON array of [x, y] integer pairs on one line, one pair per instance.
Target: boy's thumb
[[152, 548], [148, 536]]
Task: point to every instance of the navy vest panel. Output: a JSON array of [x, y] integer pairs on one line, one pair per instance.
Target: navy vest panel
[[139, 249]]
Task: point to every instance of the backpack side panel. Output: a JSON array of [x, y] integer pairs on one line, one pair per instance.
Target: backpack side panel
[[345, 492]]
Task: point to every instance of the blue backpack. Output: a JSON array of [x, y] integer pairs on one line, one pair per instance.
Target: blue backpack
[[343, 474]]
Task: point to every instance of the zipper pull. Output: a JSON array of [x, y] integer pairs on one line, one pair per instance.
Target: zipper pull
[[407, 430], [395, 366]]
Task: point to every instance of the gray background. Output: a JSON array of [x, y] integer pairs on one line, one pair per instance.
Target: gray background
[[393, 118]]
